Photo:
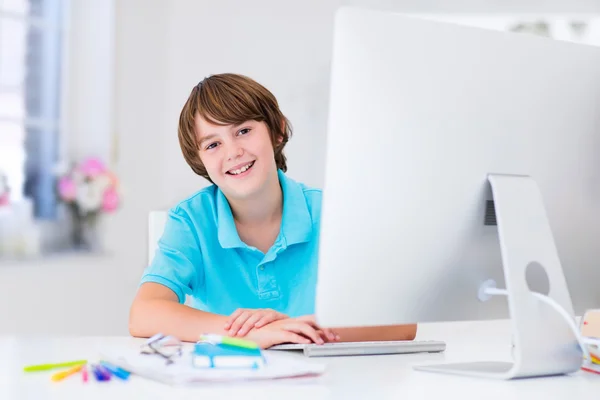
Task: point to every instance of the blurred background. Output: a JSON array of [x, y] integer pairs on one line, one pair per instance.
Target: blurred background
[[90, 94]]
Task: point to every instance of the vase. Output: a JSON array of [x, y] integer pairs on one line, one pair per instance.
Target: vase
[[85, 234]]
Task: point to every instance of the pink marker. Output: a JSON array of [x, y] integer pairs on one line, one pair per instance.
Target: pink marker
[[84, 373]]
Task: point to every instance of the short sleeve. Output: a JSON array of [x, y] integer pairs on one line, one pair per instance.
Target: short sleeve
[[177, 263]]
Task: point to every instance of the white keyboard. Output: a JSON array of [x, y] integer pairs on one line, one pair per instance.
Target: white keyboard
[[365, 348]]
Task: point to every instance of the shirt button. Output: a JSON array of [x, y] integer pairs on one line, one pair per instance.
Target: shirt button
[[262, 267]]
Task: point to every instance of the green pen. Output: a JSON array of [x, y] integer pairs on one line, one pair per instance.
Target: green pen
[[46, 367], [229, 341]]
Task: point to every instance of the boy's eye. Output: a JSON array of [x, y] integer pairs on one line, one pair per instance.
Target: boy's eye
[[211, 146], [244, 131]]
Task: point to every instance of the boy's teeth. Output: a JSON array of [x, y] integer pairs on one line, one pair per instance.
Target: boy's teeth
[[243, 169]]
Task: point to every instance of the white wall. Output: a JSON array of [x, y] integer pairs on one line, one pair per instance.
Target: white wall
[[90, 80], [163, 48]]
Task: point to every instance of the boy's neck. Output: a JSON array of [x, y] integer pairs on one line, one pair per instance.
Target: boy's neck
[[265, 208]]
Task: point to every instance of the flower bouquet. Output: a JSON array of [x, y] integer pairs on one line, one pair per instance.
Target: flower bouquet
[[89, 189]]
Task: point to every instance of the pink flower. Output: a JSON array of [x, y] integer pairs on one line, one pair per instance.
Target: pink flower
[[110, 201], [92, 167], [67, 189]]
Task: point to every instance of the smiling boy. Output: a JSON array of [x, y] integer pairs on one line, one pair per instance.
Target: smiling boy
[[245, 248]]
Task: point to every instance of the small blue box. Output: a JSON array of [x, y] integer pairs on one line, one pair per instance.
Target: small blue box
[[209, 355]]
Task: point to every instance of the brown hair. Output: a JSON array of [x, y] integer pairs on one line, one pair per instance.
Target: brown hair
[[231, 99]]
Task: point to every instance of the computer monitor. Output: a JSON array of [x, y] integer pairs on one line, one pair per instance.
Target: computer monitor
[[439, 137]]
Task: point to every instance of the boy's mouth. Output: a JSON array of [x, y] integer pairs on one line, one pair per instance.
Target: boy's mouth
[[241, 170]]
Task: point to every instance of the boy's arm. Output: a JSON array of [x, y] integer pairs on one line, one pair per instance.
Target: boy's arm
[[370, 333], [377, 333], [156, 308]]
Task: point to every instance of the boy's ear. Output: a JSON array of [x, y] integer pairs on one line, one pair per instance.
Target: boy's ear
[[280, 137]]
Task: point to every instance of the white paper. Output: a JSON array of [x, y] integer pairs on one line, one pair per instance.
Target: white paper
[[278, 365]]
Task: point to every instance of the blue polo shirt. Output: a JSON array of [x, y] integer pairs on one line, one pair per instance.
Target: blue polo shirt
[[201, 255]]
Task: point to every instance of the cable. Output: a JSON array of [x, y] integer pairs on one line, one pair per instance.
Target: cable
[[492, 291]]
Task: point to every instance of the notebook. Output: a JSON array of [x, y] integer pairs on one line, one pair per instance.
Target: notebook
[[277, 365]]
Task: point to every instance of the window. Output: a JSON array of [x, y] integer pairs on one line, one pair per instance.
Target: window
[[31, 82]]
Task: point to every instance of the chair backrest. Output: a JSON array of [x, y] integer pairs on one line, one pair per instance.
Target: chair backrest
[[156, 226]]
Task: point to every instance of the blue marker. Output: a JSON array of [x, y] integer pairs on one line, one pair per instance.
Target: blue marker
[[99, 373], [116, 371], [105, 372]]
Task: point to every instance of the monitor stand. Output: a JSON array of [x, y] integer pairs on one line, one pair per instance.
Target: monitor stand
[[545, 343]]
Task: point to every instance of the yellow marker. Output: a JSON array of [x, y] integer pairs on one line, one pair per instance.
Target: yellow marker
[[63, 374]]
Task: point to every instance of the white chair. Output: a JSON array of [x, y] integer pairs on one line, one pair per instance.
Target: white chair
[[156, 226]]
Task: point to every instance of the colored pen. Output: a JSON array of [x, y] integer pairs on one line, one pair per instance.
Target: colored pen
[[116, 371], [59, 376], [106, 373], [235, 342], [590, 370], [45, 367], [84, 373], [99, 374]]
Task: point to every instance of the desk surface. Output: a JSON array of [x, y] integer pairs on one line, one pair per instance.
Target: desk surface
[[376, 377]]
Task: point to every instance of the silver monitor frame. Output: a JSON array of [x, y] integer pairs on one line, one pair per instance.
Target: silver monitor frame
[[423, 116]]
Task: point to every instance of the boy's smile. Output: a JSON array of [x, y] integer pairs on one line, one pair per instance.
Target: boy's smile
[[241, 170]]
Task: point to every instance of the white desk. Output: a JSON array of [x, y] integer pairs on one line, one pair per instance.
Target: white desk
[[373, 377]]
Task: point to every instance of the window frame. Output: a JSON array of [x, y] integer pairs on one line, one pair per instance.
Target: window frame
[[52, 232], [59, 125]]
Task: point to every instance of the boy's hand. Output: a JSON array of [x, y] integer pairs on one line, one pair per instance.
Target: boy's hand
[[329, 334], [290, 330], [244, 319]]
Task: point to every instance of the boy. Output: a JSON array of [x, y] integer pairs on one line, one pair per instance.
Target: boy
[[245, 248]]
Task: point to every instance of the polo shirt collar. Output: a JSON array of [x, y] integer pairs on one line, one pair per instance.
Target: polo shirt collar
[[296, 221], [227, 231]]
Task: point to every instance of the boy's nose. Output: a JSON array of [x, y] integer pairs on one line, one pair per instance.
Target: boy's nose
[[235, 151]]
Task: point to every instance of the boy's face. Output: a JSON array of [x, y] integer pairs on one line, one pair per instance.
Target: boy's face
[[239, 159]]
